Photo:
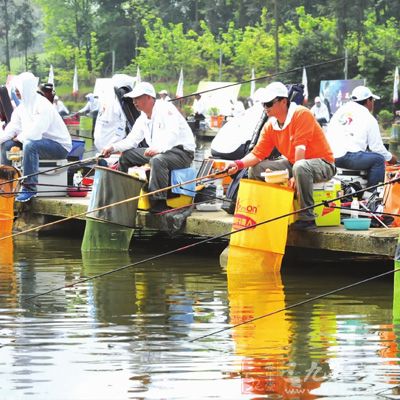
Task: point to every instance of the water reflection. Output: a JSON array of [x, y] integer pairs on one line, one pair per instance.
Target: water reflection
[[126, 335], [268, 365], [8, 281]]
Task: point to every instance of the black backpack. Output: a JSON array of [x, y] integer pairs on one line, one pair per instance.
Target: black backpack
[[128, 108], [296, 94]]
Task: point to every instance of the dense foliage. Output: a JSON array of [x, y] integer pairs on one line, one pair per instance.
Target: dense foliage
[[209, 39]]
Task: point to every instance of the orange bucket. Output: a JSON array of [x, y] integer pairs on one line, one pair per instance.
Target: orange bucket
[[7, 193], [391, 197]]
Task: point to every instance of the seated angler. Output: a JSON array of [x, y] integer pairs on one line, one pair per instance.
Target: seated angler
[[355, 139], [294, 131], [37, 127], [169, 138]]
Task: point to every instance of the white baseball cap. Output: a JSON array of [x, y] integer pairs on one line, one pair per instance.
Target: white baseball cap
[[317, 100], [272, 91], [163, 92], [361, 93], [141, 89]]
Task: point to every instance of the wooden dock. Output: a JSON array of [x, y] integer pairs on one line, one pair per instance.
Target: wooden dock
[[380, 242]]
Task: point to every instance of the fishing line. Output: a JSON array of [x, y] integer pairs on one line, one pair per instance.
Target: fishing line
[[261, 78], [300, 303], [114, 204], [184, 248]]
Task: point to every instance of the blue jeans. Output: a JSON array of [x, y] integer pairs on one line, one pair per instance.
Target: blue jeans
[[374, 163], [44, 149]]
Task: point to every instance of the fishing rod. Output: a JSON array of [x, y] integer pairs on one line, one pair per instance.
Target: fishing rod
[[70, 164], [365, 210], [300, 303], [186, 247], [85, 213], [261, 78], [216, 174]]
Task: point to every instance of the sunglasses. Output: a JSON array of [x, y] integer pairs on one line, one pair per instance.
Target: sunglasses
[[269, 104]]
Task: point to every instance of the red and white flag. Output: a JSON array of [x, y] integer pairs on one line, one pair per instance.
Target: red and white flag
[[305, 84], [396, 86], [179, 88], [75, 88]]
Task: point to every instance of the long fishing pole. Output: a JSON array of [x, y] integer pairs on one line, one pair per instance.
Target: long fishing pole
[[221, 174], [70, 164], [300, 303], [85, 213], [184, 248], [261, 78]]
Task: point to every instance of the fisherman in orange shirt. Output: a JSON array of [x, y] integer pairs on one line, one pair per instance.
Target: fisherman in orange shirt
[[294, 131]]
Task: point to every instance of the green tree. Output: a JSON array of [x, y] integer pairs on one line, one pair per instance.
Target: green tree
[[378, 55], [23, 29], [69, 25], [6, 20]]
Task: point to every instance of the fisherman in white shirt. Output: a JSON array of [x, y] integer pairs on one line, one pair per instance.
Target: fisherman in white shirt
[[355, 139], [111, 121], [320, 111], [164, 95], [199, 110], [36, 126], [169, 138]]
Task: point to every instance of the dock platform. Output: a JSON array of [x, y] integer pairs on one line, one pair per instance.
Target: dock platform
[[375, 241]]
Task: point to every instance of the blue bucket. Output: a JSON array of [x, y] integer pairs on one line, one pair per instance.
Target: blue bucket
[[78, 148]]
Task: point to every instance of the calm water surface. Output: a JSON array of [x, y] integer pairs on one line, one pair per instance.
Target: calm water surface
[[128, 335]]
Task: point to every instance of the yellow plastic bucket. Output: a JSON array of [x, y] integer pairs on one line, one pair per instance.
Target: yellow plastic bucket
[[261, 261], [258, 202]]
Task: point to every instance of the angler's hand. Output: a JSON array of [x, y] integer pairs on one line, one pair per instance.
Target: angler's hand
[[292, 183], [107, 151], [232, 168], [150, 152]]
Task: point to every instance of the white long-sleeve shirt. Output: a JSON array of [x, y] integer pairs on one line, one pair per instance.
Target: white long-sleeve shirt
[[320, 111], [353, 128], [44, 122], [165, 129], [110, 125]]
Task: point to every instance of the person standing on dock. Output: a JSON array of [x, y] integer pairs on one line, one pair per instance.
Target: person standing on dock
[[164, 95], [36, 127], [199, 110], [355, 138], [91, 108], [170, 141], [294, 131], [320, 111]]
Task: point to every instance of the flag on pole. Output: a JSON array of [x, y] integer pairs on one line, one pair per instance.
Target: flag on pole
[[179, 88], [75, 88], [252, 84], [305, 84], [138, 78], [51, 75], [396, 86]]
